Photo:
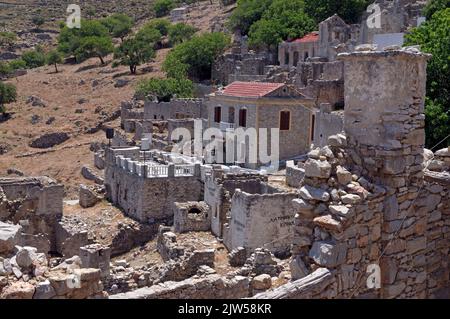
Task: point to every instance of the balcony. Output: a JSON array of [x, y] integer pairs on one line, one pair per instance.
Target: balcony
[[225, 126]]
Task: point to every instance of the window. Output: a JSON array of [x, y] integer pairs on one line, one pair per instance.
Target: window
[[286, 58], [295, 58], [243, 117], [285, 120], [313, 124], [217, 114], [306, 55], [231, 115]]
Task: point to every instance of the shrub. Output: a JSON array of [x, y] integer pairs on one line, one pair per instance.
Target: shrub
[[34, 58], [163, 7], [165, 89]]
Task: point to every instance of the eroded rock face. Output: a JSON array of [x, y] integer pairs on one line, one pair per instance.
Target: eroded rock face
[[49, 140]]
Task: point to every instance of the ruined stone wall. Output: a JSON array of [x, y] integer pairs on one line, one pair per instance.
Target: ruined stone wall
[[327, 123], [175, 109], [191, 216], [252, 213], [219, 190], [209, 287], [365, 202], [148, 199], [37, 203]]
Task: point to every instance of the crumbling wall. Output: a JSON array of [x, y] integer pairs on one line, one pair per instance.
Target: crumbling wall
[[175, 109], [209, 287], [191, 216], [365, 207], [36, 203], [252, 213]]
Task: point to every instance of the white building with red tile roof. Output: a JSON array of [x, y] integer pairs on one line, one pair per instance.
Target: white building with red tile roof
[[261, 105]]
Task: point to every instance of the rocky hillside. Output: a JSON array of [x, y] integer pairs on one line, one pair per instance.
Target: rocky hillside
[[57, 116]]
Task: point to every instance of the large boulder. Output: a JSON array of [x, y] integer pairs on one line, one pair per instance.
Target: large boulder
[[87, 197], [9, 237], [317, 168], [49, 140]]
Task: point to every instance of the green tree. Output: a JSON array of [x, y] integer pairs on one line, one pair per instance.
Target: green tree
[[8, 94], [94, 47], [433, 36], [160, 24], [433, 6], [134, 52], [349, 10], [38, 21], [34, 58], [149, 34], [165, 89], [92, 39], [196, 55], [119, 25], [163, 7], [282, 20], [54, 57], [180, 32], [246, 13]]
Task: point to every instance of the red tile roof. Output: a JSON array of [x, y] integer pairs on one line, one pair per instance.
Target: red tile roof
[[250, 89], [310, 37]]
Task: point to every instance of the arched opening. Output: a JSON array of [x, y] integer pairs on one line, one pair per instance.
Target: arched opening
[[217, 114], [243, 117], [295, 58], [194, 211], [231, 115]]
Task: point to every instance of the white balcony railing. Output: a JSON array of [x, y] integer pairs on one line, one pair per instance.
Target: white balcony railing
[[225, 126]]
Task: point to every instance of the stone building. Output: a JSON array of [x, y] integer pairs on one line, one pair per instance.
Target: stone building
[[368, 204], [290, 53], [36, 204], [254, 105], [145, 189], [174, 109]]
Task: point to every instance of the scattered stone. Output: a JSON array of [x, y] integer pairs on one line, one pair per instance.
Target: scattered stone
[[49, 140], [262, 282], [316, 168], [308, 193], [9, 237], [87, 196]]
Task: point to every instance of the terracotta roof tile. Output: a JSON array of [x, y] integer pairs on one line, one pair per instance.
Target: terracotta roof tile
[[250, 89], [310, 37]]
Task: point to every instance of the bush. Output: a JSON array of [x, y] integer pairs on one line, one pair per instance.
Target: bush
[[34, 58], [119, 25], [5, 68], [180, 32], [196, 56], [349, 10], [163, 7], [17, 64], [162, 25], [7, 38], [8, 94], [165, 89], [38, 21]]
